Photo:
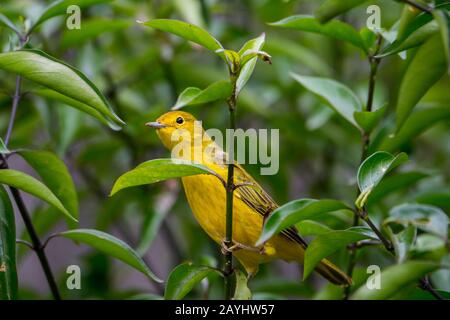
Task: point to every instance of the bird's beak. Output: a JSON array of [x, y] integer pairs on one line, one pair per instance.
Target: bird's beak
[[156, 125]]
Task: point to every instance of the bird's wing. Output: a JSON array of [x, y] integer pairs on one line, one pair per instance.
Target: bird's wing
[[254, 196]]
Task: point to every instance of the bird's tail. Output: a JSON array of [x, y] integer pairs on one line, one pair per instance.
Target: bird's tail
[[332, 273]]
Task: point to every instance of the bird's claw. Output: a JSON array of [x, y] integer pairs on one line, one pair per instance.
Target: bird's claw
[[235, 246]]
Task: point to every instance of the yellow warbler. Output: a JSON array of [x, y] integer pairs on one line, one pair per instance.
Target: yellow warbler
[[251, 204]]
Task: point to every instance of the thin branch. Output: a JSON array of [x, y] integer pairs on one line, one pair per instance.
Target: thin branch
[[25, 243], [228, 268], [419, 6], [365, 216], [36, 243], [425, 284], [15, 104]]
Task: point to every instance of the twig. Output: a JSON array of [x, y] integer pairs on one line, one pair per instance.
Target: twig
[[15, 103], [425, 284], [418, 6], [362, 213], [37, 246], [228, 269], [25, 243]]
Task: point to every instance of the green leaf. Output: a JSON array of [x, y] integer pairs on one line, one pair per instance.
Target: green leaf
[[367, 120], [394, 183], [183, 278], [69, 120], [403, 241], [8, 272], [112, 246], [247, 69], [3, 147], [45, 70], [328, 243], [407, 18], [373, 169], [332, 8], [311, 228], [241, 291], [187, 31], [441, 278], [442, 18], [417, 123], [51, 94], [334, 29], [60, 7], [56, 177], [4, 20], [34, 187], [421, 75], [425, 217], [394, 279], [158, 170], [92, 29], [219, 90], [338, 96], [153, 220], [428, 247], [294, 212], [415, 39]]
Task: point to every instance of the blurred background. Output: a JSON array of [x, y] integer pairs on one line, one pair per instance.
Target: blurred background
[[141, 72]]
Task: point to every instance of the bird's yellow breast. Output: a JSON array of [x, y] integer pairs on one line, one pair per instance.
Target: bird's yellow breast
[[207, 199]]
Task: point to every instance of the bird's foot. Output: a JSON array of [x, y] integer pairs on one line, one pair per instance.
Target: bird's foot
[[235, 246]]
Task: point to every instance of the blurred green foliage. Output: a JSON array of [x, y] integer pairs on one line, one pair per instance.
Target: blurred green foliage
[[140, 72]]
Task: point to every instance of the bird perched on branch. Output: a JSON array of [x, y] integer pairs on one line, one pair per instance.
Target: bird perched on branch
[[251, 204]]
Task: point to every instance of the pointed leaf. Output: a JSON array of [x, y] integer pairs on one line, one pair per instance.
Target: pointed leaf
[[414, 40], [367, 120], [158, 170], [8, 272], [328, 243], [247, 69], [294, 212], [403, 241], [55, 176], [187, 31], [338, 96], [421, 75], [334, 29], [394, 279], [373, 169], [416, 124], [183, 278], [4, 20], [112, 246], [34, 187], [241, 291], [3, 147], [442, 17], [51, 94], [45, 70], [219, 90], [311, 228]]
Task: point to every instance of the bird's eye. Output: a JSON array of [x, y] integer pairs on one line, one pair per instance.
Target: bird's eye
[[180, 120]]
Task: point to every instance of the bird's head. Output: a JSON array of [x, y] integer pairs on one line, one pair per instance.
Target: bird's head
[[169, 124]]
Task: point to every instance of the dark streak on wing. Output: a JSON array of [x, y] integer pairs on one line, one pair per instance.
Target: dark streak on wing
[[259, 200]]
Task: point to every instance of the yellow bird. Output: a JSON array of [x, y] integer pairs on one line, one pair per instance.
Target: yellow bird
[[251, 204]]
